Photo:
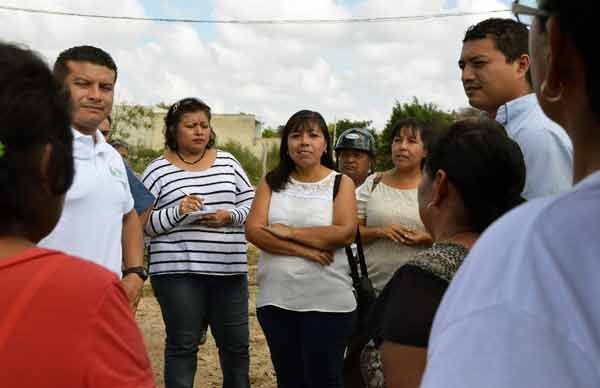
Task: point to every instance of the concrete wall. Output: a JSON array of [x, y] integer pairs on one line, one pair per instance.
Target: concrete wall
[[241, 128]]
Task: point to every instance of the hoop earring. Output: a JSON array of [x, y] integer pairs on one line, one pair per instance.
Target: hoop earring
[[544, 92], [429, 205]]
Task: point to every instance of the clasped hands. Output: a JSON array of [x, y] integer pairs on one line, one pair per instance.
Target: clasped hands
[[404, 235]]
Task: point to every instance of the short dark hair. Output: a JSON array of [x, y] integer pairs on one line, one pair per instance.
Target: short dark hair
[[485, 166], [578, 19], [90, 54], [176, 112], [279, 177], [510, 37], [425, 131], [33, 113]]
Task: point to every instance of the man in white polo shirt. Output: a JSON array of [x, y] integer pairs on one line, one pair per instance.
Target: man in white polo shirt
[[98, 222]]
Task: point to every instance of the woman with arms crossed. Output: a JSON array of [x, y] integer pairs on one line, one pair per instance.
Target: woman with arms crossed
[[305, 303]]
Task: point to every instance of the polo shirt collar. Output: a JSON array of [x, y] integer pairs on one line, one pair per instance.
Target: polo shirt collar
[[514, 108], [84, 147]]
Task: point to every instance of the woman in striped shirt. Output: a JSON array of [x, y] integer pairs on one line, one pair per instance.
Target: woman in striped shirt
[[198, 262]]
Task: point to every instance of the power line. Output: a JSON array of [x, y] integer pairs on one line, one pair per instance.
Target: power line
[[256, 21]]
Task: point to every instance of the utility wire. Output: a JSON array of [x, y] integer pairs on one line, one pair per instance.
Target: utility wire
[[256, 21]]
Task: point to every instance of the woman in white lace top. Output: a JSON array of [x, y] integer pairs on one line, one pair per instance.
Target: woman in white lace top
[[305, 303], [388, 210]]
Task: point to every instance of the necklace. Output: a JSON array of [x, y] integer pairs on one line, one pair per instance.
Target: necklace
[[195, 161]]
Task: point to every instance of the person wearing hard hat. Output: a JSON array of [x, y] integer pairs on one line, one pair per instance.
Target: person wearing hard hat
[[355, 149]]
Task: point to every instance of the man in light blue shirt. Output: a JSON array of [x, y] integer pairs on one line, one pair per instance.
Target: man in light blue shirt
[[495, 74]]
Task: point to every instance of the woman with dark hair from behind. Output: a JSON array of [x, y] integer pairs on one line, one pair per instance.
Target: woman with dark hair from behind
[[472, 176], [65, 322], [198, 265], [305, 303], [523, 310]]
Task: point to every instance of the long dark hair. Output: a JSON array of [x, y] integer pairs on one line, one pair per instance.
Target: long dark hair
[[485, 166], [176, 112], [280, 175]]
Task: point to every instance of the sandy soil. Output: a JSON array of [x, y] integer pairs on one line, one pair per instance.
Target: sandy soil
[[209, 372]]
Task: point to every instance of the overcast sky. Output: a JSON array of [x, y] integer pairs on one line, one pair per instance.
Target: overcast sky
[[353, 71]]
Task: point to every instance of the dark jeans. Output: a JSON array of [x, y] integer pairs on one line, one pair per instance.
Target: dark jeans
[[186, 302], [307, 348]]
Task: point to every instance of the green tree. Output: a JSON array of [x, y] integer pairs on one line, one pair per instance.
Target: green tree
[[140, 158], [268, 133], [247, 159], [163, 105], [428, 113], [344, 124], [272, 157], [128, 118]]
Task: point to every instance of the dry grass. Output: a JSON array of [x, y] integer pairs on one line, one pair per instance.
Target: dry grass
[[209, 372]]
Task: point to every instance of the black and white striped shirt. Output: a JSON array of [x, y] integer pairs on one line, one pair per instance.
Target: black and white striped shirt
[[179, 247]]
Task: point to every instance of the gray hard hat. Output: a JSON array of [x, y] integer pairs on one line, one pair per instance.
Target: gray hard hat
[[356, 139]]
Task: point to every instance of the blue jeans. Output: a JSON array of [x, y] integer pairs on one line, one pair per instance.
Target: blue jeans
[[307, 348], [186, 302]]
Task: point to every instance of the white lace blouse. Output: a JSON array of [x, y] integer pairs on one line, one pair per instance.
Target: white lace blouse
[[295, 283], [384, 206]]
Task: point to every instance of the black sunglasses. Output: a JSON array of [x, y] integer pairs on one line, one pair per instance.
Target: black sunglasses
[[526, 10]]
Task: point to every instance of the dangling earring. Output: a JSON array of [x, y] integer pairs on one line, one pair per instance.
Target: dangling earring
[[544, 92]]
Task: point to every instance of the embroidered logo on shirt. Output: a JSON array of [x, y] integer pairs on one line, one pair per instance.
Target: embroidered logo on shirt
[[115, 172]]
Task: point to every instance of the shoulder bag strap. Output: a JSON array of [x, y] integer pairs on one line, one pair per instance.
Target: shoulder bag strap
[[349, 254], [336, 185], [376, 180], [361, 255], [353, 267]]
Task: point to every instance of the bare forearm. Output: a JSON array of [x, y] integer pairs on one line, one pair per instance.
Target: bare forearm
[[324, 237], [132, 241], [144, 217], [368, 234], [269, 243]]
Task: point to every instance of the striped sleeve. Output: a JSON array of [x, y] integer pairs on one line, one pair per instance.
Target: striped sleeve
[[244, 195], [164, 219]]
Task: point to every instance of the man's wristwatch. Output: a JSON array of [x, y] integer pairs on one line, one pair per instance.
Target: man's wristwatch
[[139, 271]]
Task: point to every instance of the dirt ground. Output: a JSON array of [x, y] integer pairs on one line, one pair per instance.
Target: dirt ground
[[209, 372]]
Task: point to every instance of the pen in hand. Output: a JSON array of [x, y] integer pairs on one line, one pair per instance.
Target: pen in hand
[[189, 203]]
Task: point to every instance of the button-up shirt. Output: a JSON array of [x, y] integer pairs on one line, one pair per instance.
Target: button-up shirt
[[92, 219], [547, 149]]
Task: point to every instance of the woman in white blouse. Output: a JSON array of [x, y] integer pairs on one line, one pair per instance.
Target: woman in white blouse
[[388, 210], [305, 303]]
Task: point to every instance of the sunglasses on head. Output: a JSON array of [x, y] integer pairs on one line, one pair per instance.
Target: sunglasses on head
[[189, 101]]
